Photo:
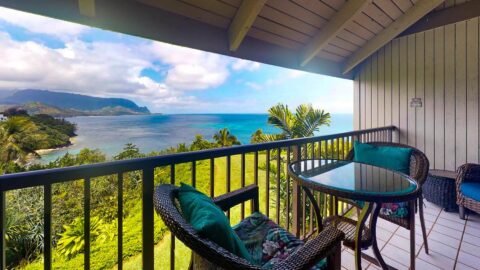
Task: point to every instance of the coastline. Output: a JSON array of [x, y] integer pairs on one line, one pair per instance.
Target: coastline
[[42, 152]]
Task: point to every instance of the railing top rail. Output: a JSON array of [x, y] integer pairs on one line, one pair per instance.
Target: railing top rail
[[50, 176]]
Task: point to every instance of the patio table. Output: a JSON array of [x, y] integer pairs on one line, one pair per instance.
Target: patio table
[[354, 182]]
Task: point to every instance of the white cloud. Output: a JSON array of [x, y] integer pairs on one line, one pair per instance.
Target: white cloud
[[241, 64], [110, 70], [191, 69], [40, 24]]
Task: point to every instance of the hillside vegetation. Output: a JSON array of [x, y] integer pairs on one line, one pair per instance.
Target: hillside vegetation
[[21, 135], [68, 104]]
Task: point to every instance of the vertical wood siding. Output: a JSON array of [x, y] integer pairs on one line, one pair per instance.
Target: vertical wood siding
[[440, 66]]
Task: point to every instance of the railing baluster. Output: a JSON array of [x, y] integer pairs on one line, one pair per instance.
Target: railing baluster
[[288, 191], [304, 213], [86, 222], [311, 214], [147, 220], [47, 227], [267, 183], [172, 237], [242, 183], [212, 177], [194, 173], [229, 165], [255, 174], [120, 221], [255, 168], [3, 231], [296, 200], [313, 150], [338, 148], [278, 184]]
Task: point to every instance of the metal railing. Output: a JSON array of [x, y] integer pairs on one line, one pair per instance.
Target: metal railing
[[284, 202]]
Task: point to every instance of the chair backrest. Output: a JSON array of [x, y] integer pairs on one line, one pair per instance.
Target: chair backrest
[[419, 163], [165, 205]]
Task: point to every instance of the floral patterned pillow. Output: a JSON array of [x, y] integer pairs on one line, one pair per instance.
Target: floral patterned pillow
[[268, 243]]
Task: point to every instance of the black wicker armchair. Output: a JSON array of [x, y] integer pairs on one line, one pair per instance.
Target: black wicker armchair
[[468, 188], [419, 166], [209, 255]]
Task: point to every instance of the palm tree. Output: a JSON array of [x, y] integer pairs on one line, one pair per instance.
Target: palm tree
[[223, 138], [17, 139], [303, 123]]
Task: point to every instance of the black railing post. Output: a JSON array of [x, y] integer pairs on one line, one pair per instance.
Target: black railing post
[[296, 200], [147, 217], [120, 222], [86, 223], [172, 237], [3, 246], [47, 227]]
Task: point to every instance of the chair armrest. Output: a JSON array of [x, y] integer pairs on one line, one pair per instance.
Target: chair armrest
[[231, 199], [325, 244], [468, 172]]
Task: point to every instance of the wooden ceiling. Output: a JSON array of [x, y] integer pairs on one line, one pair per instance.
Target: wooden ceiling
[[296, 24], [324, 36]]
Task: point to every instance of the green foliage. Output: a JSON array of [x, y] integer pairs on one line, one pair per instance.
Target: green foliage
[[24, 225], [223, 138], [303, 123], [72, 240], [18, 138], [201, 144], [52, 124], [21, 135], [129, 151]]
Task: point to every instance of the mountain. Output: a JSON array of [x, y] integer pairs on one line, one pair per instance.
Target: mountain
[[67, 104]]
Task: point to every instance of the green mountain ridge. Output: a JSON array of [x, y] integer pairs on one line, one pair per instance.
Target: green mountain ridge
[[40, 108], [67, 104]]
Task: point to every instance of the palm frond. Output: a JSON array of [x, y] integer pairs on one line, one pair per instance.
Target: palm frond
[[281, 117]]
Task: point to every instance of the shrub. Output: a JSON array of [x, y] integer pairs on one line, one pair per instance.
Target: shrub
[[72, 240]]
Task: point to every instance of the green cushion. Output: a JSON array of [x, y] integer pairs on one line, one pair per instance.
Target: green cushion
[[389, 157], [209, 220]]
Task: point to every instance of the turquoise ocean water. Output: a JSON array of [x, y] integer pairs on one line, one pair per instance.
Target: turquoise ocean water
[[156, 132]]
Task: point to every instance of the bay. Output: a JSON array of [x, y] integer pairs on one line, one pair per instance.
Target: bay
[[156, 132]]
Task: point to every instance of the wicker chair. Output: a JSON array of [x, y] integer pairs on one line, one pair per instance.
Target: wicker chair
[[418, 170], [467, 173], [209, 255]]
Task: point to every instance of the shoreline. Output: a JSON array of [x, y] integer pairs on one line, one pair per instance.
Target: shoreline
[[42, 152]]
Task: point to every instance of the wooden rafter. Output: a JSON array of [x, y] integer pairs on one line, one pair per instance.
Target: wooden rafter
[[87, 7], [243, 20], [333, 27], [415, 13]]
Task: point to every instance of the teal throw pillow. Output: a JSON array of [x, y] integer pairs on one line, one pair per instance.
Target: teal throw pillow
[[389, 157], [209, 220]]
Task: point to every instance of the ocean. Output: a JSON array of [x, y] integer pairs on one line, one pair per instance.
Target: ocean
[[156, 132]]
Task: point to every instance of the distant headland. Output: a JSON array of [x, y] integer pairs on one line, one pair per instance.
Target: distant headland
[[61, 104]]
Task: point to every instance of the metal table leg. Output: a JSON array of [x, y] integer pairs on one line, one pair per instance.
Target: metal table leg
[[373, 228], [362, 218]]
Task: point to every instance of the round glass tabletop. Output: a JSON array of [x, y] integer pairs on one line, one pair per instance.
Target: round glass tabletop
[[354, 180]]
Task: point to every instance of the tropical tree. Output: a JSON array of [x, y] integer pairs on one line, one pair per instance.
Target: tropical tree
[[18, 136], [200, 143], [301, 123], [223, 138]]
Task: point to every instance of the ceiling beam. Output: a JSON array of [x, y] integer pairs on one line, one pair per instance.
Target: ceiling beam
[[415, 13], [333, 27], [87, 7], [243, 20], [450, 15]]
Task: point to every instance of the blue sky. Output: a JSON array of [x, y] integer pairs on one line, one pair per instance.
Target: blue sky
[[44, 53]]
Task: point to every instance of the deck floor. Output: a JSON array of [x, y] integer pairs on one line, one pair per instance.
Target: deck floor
[[453, 243]]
